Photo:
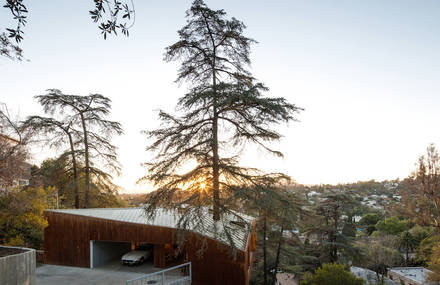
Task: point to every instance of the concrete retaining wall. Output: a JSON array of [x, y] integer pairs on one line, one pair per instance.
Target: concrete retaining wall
[[19, 268]]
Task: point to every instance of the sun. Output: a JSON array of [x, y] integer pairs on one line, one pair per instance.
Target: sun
[[203, 185]]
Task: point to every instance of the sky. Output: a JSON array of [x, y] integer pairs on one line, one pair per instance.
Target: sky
[[366, 73]]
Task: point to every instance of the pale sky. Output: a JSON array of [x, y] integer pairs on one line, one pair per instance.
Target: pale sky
[[367, 73]]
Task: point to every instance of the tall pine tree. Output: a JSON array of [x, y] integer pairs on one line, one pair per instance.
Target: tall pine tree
[[90, 114], [223, 110], [58, 133]]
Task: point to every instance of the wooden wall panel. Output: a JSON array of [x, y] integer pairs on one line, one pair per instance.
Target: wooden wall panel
[[159, 255], [67, 242]]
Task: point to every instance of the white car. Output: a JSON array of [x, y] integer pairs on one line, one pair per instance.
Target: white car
[[136, 256]]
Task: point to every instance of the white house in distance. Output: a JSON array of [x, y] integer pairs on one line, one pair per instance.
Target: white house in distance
[[410, 275], [369, 276]]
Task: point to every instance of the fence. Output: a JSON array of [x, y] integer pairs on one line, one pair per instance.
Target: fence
[[177, 275], [40, 256]]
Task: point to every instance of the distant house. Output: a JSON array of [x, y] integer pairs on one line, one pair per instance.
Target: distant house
[[369, 276], [24, 175], [92, 237], [410, 275]]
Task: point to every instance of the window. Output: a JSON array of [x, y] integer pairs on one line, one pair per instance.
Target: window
[[23, 182]]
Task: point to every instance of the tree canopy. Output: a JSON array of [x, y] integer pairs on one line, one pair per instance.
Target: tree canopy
[[224, 107], [392, 225], [223, 111], [111, 16], [21, 215], [57, 134], [13, 151], [88, 132], [422, 197]]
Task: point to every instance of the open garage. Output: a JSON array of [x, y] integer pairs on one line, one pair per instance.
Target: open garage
[[118, 256], [104, 252], [97, 238]]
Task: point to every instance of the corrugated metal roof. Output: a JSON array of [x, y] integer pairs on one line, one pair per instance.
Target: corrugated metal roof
[[170, 218]]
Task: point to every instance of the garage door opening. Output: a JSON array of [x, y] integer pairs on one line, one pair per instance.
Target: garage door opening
[[103, 252], [108, 255]]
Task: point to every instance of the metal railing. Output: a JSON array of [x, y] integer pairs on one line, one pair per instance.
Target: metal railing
[[176, 275]]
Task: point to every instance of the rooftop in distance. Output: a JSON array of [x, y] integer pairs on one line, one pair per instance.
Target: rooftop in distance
[[418, 274]]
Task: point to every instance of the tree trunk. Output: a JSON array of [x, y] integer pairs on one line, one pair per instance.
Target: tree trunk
[[215, 167], [334, 236], [87, 166], [406, 255], [75, 173], [215, 156], [332, 246], [378, 278], [264, 249], [277, 258]]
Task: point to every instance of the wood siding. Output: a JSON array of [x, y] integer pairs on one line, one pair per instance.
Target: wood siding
[[67, 242]]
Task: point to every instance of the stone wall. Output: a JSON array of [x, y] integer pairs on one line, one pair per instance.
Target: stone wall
[[18, 269]]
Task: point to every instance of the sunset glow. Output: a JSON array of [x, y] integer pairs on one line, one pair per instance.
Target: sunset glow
[[370, 98]]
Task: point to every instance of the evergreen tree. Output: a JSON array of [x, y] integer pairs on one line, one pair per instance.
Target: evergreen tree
[[368, 222], [407, 242], [286, 215], [278, 210], [223, 110], [90, 114], [392, 226], [327, 225], [57, 134], [58, 173]]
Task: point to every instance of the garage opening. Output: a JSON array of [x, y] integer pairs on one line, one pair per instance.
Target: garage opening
[[122, 256], [103, 252]]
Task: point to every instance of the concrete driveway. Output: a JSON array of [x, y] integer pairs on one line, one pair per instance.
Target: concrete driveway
[[60, 275]]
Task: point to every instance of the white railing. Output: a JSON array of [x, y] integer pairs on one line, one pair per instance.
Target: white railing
[[176, 275]]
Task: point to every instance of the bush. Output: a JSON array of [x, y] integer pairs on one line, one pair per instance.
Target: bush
[[392, 226], [21, 216], [332, 274]]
